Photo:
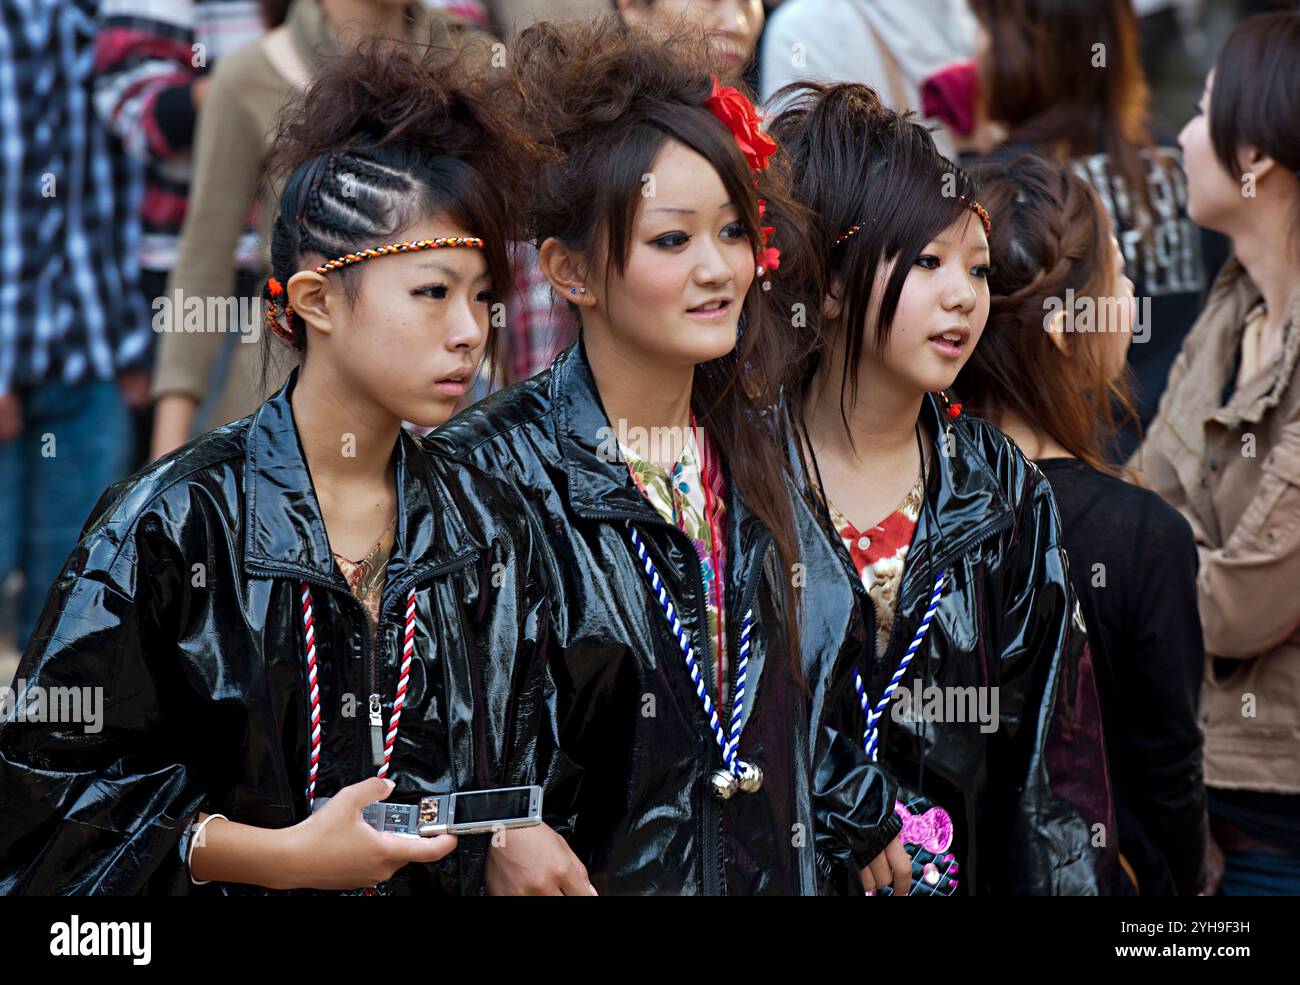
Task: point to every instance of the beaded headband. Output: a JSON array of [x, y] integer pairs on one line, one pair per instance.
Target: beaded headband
[[275, 290], [971, 204]]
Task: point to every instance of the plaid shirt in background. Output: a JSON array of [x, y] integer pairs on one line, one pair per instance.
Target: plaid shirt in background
[[145, 61], [70, 304], [540, 324], [147, 55]]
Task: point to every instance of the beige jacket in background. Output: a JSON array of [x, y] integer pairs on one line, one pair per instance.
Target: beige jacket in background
[[237, 120], [1234, 471]]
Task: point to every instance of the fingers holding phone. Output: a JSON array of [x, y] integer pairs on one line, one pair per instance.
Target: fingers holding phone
[[336, 848]]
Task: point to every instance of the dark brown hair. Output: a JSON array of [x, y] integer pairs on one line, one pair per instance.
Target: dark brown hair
[[384, 136], [1041, 81], [858, 163], [1256, 98], [607, 101], [1050, 235]]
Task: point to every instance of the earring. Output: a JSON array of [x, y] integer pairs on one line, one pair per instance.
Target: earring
[[577, 290]]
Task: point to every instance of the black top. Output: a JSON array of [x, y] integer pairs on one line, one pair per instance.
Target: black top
[[1133, 564]]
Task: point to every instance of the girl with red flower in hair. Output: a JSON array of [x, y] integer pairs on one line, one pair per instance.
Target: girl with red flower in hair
[[694, 678]]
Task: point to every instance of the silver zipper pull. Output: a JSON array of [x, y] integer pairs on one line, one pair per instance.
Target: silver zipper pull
[[376, 731]]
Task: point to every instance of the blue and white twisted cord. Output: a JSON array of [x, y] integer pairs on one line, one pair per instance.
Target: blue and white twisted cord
[[870, 735], [729, 744]]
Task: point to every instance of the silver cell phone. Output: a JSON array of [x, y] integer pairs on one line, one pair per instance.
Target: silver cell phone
[[466, 812]]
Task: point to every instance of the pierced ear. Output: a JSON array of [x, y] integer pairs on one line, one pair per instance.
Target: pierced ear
[[566, 269], [1056, 331], [309, 295]]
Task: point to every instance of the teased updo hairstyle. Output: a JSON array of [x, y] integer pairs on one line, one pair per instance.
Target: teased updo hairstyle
[[859, 163], [384, 137], [1051, 236], [606, 101]]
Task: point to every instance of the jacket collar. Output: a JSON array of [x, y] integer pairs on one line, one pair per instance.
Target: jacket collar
[[599, 486], [598, 480], [1237, 294], [963, 499], [284, 532]]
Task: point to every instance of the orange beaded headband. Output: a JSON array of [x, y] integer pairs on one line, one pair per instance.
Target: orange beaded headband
[[974, 206], [275, 290]]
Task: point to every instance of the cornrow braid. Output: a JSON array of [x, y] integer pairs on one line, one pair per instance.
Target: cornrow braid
[[1051, 242], [387, 137]]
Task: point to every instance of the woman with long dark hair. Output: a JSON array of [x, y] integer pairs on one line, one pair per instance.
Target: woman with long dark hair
[[976, 687], [696, 681], [1050, 375]]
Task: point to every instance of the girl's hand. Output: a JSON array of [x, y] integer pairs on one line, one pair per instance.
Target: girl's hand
[[336, 849], [535, 862], [332, 849], [890, 867]]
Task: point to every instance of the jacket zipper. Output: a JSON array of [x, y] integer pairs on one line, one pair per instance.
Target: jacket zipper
[[369, 664]]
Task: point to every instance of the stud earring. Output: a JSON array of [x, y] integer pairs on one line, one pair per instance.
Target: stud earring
[[577, 290]]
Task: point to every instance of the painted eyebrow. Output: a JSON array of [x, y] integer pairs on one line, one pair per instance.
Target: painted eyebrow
[[668, 208], [435, 265], [945, 241]]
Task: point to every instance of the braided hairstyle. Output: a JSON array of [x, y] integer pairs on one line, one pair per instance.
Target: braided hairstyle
[[384, 137], [1051, 236]]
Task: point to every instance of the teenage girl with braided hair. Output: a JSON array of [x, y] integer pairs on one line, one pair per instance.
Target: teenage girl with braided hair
[[300, 604], [1050, 377]]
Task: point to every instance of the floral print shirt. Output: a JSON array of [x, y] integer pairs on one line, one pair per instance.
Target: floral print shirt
[[879, 553], [679, 497]]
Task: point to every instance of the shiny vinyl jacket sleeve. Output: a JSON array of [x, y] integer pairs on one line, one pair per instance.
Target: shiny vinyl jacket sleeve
[[97, 807], [853, 803], [1057, 815], [852, 797]]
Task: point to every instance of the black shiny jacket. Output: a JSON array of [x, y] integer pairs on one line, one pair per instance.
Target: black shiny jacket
[[1030, 796], [182, 602], [629, 784]]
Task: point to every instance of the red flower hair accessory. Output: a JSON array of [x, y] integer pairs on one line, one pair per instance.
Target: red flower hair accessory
[[738, 115]]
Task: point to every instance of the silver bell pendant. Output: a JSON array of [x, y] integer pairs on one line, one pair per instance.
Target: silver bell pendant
[[724, 784], [751, 778]]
